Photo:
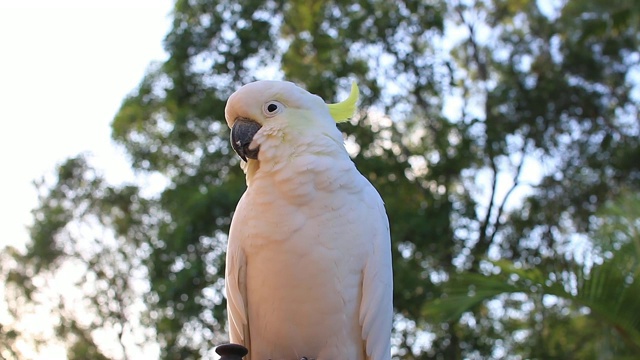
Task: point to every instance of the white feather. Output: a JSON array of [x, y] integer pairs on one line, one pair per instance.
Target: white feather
[[309, 256]]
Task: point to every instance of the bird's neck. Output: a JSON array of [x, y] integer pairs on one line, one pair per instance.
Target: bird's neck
[[286, 155]]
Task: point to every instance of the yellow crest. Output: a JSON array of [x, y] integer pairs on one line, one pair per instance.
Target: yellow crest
[[343, 110]]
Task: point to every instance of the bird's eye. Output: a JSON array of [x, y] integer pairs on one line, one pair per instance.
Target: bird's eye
[[272, 108]]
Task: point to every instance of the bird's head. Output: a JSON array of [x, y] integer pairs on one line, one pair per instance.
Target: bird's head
[[279, 107]]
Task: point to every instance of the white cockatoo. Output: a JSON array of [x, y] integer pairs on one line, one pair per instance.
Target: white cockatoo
[[309, 256]]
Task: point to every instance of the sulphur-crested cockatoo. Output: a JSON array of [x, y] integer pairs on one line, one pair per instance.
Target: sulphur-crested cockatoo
[[309, 256]]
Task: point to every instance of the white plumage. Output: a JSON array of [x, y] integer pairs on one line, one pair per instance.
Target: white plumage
[[309, 256]]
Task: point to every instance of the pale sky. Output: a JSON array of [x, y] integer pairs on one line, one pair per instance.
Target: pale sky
[[65, 67]]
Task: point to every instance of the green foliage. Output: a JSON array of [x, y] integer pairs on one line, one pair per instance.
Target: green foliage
[[609, 286], [494, 130], [87, 237], [7, 343]]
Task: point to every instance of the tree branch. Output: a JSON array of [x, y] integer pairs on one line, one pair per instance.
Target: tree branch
[[516, 183]]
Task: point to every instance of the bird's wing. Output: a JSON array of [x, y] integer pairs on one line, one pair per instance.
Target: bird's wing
[[376, 309], [235, 281]]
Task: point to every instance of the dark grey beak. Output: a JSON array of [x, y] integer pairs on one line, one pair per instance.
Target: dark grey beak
[[242, 133]]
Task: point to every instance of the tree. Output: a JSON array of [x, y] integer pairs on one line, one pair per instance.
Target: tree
[[460, 103], [85, 261], [602, 291]]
